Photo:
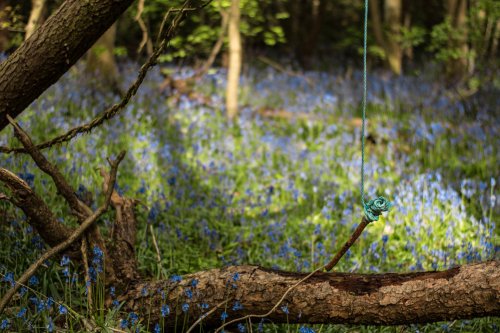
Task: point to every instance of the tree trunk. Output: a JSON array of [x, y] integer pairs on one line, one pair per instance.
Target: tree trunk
[[332, 298], [101, 60], [4, 34], [233, 74], [309, 34], [393, 10], [36, 17], [52, 49], [388, 39], [456, 67]]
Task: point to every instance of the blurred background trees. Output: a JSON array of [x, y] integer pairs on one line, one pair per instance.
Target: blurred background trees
[[461, 36]]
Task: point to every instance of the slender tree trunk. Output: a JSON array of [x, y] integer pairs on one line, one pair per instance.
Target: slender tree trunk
[[457, 67], [408, 51], [388, 39], [52, 49], [4, 34], [235, 53], [376, 23], [36, 17], [311, 35], [101, 60], [393, 11]]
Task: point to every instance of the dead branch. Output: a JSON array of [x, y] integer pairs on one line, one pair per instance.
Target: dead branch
[[80, 209], [73, 237], [145, 35], [34, 207]]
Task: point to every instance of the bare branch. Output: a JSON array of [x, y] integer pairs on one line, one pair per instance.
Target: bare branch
[[39, 214], [80, 209], [73, 237]]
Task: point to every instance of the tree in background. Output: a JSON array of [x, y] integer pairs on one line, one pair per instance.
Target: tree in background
[[101, 60], [235, 55], [387, 31], [38, 8]]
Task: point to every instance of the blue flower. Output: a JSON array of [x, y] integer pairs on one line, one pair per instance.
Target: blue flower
[[185, 307], [223, 316], [236, 276], [133, 318], [21, 313], [194, 283], [123, 324], [165, 310], [241, 328], [305, 329], [50, 325], [9, 277], [65, 260], [157, 328], [33, 281], [385, 238], [62, 309], [5, 324], [176, 278], [189, 293], [284, 308], [237, 306]]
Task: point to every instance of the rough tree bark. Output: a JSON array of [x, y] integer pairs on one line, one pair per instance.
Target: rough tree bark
[[233, 75], [52, 49], [373, 299]]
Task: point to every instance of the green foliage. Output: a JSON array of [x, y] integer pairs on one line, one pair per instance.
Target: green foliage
[[412, 37]]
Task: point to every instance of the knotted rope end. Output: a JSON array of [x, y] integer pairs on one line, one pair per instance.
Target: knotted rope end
[[374, 208]]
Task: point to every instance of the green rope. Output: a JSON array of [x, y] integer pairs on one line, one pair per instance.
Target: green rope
[[372, 208]]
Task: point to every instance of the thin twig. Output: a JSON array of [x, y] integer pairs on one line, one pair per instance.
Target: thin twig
[[74, 236], [205, 315], [157, 249], [328, 267], [348, 244], [145, 35], [84, 250]]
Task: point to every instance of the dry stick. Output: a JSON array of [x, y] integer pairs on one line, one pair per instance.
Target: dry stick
[[84, 250], [364, 222], [74, 236], [328, 267], [157, 249], [145, 36], [80, 209], [205, 315], [112, 111]]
